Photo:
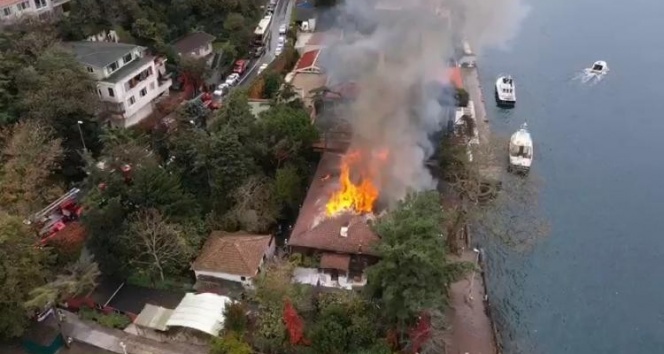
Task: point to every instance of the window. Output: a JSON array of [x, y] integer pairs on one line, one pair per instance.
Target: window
[[7, 11], [110, 92], [114, 66], [143, 92], [40, 3], [24, 5], [132, 100], [127, 58], [243, 278], [90, 69]]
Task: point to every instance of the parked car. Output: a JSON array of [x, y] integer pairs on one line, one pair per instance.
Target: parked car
[[281, 40], [282, 29], [240, 66], [223, 87], [233, 79], [279, 49], [258, 51]]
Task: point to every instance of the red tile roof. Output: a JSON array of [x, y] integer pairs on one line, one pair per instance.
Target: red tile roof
[[335, 261], [314, 229], [239, 254], [307, 59]]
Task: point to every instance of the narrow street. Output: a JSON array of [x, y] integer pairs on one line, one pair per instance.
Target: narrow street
[[281, 15], [111, 339]]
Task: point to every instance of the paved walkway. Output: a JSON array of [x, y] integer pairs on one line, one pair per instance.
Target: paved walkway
[[110, 339], [471, 331]]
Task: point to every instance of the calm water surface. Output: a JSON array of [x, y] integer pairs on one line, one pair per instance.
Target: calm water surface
[[594, 285]]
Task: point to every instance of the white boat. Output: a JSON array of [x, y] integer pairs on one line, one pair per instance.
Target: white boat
[[505, 92], [521, 150], [599, 68]]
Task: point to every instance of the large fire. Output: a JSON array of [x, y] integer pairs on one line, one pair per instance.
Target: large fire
[[357, 197]]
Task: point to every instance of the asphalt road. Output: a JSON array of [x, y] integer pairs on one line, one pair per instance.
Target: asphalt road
[[281, 15]]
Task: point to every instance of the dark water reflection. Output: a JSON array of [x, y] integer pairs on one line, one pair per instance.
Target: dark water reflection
[[593, 285]]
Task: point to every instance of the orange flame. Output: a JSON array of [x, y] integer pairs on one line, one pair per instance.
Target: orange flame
[[360, 197]]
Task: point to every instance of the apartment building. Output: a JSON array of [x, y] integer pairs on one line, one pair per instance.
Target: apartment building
[[129, 79], [11, 10]]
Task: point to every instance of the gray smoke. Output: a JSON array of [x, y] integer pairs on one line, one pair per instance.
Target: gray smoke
[[393, 51]]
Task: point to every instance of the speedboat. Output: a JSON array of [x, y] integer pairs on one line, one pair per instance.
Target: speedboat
[[505, 92], [599, 68], [520, 150]]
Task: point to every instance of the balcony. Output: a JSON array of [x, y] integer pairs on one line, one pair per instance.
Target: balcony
[[114, 107]]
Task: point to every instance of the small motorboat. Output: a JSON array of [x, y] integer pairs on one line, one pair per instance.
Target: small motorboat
[[505, 92], [521, 150], [599, 68]]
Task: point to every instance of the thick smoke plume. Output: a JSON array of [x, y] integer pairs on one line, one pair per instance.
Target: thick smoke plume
[[397, 54]]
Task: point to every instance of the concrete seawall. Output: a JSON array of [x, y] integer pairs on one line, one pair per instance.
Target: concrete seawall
[[472, 329]]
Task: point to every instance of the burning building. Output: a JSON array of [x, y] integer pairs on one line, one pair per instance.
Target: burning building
[[334, 224]]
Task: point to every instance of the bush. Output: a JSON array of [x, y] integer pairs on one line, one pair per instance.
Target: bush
[[461, 97], [111, 320], [235, 318], [230, 344]]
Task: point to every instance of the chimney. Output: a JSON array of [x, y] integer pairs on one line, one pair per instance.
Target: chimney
[[344, 230]]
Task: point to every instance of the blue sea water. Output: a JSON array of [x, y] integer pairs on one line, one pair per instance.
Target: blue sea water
[[594, 284]]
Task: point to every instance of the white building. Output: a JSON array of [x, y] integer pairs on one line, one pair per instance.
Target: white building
[[129, 79], [234, 257], [11, 10]]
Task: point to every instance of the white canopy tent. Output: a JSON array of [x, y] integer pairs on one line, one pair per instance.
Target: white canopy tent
[[204, 312]]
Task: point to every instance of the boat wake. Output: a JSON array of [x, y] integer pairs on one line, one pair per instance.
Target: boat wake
[[589, 76]]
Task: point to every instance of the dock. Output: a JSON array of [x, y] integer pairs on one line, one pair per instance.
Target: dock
[[490, 166]]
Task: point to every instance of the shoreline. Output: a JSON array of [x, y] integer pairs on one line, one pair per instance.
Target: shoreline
[[473, 328]]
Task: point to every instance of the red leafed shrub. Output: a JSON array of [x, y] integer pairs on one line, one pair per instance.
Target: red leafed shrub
[[421, 333], [294, 325]]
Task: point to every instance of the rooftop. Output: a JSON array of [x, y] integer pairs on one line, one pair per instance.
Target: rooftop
[[100, 54], [239, 254], [307, 60], [128, 69], [204, 312], [193, 41], [314, 229], [4, 3]]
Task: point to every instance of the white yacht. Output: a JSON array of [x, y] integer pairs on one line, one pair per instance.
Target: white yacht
[[521, 150], [505, 91], [599, 68]]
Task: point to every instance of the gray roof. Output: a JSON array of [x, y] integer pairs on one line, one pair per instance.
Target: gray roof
[[193, 41], [100, 54], [127, 69]]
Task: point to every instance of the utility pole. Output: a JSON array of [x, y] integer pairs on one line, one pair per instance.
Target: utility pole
[[80, 131]]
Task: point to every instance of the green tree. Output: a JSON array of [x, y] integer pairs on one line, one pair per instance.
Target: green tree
[[254, 208], [288, 132], [79, 278], [112, 199], [21, 270], [229, 344], [238, 32], [412, 275], [273, 82], [159, 246], [235, 318], [345, 324], [33, 67], [30, 156], [288, 187]]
